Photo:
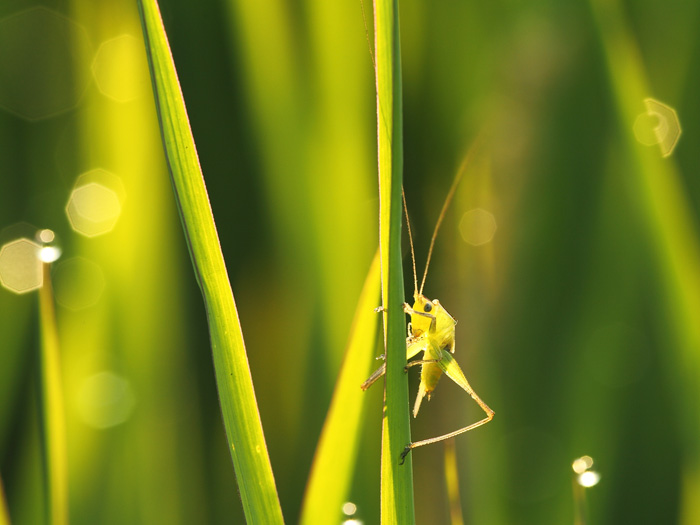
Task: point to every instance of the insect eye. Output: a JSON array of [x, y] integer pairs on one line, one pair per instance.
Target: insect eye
[[428, 307]]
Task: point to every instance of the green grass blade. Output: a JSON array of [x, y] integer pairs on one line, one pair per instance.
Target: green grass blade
[[53, 424], [336, 454], [452, 483], [238, 405], [668, 218], [397, 480]]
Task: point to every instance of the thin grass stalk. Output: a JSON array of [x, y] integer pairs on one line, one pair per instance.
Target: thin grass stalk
[[53, 422], [397, 480], [452, 483], [4, 512], [236, 394], [580, 504]]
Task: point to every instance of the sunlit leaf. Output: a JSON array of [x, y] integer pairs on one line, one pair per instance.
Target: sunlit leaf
[[238, 405], [336, 454]]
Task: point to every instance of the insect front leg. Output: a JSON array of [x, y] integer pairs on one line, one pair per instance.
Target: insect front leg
[[410, 311], [379, 372], [420, 362], [414, 346]]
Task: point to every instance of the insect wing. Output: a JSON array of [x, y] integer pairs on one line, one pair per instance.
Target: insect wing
[[445, 328]]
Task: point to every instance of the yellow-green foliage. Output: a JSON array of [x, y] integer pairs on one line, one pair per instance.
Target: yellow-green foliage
[[569, 259]]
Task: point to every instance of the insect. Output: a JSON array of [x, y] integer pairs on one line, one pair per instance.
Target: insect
[[432, 331]]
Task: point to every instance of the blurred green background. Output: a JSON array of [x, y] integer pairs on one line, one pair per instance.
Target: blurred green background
[[578, 317]]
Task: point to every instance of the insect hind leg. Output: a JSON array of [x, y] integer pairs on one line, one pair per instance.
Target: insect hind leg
[[489, 416]]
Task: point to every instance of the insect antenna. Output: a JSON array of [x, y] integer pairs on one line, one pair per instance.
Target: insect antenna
[[445, 205], [369, 45], [410, 240]]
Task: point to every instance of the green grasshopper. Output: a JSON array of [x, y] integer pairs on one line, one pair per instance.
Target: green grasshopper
[[432, 331]]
